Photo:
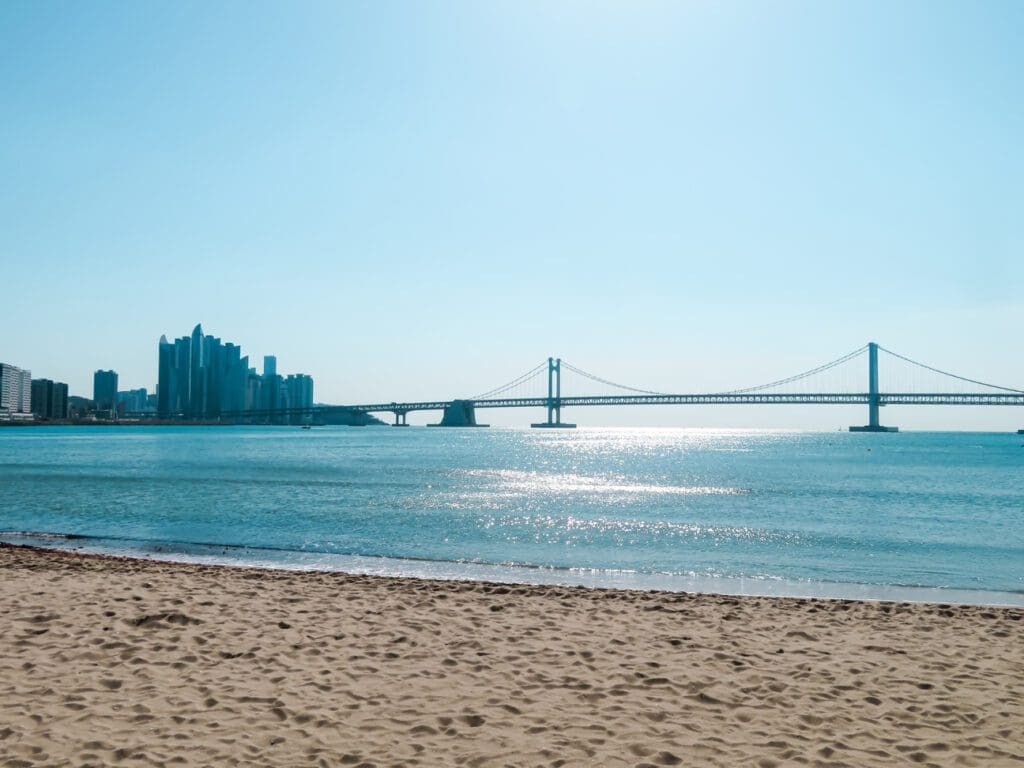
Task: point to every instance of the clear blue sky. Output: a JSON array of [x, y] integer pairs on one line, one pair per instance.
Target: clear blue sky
[[413, 200]]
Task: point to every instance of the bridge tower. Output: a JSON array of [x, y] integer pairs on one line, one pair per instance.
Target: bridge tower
[[874, 401], [554, 403]]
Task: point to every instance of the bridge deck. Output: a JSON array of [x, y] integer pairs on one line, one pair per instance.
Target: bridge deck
[[809, 398], [813, 398]]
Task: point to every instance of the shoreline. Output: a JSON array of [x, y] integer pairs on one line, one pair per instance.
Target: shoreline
[[107, 658], [527, 575], [159, 423]]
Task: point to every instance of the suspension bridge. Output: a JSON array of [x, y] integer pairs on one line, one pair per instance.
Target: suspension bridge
[[844, 381]]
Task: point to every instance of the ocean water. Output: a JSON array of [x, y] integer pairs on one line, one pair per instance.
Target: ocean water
[[934, 516]]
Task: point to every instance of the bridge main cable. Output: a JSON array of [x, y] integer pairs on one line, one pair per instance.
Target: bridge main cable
[[598, 379], [515, 382], [947, 373], [789, 380]]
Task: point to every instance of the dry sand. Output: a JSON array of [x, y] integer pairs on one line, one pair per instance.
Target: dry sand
[[107, 661]]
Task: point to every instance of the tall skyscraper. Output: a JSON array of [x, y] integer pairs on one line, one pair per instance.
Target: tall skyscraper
[[183, 365], [213, 366], [197, 380], [167, 377], [15, 390], [104, 390], [269, 365]]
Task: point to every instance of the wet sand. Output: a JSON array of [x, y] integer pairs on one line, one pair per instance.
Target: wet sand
[[106, 661]]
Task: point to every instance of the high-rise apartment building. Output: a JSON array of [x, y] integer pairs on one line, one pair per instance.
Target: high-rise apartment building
[[300, 390], [133, 401], [272, 393], [232, 378], [253, 391], [104, 390], [59, 401], [49, 399], [174, 377], [15, 390], [41, 397]]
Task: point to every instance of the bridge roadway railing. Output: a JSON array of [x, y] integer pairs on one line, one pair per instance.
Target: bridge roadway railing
[[944, 398], [807, 398]]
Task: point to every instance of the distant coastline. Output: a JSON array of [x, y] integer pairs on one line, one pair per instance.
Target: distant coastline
[[84, 423], [353, 419]]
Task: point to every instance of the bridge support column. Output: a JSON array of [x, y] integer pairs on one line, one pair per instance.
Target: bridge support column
[[459, 413], [400, 419], [554, 398], [874, 402]]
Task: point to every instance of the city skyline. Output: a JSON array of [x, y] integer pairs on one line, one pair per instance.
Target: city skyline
[[200, 378], [421, 203]]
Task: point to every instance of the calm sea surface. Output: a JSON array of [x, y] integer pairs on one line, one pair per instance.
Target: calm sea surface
[[937, 516]]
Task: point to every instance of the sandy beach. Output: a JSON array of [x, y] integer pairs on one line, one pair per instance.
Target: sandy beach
[[110, 661]]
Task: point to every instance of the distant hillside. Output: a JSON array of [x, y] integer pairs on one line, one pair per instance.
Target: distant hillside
[[348, 418]]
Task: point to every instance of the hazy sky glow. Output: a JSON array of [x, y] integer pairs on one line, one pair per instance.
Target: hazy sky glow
[[422, 200]]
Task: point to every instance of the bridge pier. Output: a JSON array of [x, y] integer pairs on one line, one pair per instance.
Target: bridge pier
[[553, 425], [459, 413], [400, 419], [874, 402], [554, 398]]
